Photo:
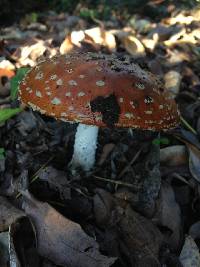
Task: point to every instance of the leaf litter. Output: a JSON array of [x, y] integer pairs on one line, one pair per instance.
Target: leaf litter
[[140, 205]]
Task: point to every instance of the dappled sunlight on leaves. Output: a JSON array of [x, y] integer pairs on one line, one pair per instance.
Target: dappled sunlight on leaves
[[140, 205]]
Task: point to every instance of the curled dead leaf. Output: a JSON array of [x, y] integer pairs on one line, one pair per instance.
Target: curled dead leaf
[[168, 215], [94, 38], [133, 46], [66, 46], [62, 240], [173, 155], [100, 36]]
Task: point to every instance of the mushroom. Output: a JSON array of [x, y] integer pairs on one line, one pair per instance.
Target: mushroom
[[95, 91]]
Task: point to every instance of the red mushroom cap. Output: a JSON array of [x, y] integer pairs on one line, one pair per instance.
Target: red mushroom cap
[[99, 90]]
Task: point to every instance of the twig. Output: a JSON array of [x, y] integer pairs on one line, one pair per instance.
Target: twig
[[187, 125], [129, 164], [114, 181], [35, 175]]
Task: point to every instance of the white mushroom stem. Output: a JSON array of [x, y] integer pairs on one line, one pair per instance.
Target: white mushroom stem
[[85, 147]]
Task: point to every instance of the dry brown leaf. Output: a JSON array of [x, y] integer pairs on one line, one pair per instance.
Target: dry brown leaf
[[9, 214], [57, 180], [176, 56], [181, 19], [134, 46], [102, 37], [175, 37], [91, 40], [163, 32], [66, 46], [110, 42], [96, 34], [142, 240], [172, 82], [32, 50], [169, 216], [190, 256], [174, 155], [150, 43], [184, 37], [103, 203], [77, 37], [60, 239]]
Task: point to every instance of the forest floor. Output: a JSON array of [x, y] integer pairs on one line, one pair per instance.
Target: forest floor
[[140, 205]]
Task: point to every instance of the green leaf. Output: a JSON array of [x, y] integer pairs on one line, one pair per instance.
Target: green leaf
[[7, 113], [15, 81], [2, 153], [160, 141]]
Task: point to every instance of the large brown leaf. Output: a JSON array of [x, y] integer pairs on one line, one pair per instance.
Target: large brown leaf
[[60, 239]]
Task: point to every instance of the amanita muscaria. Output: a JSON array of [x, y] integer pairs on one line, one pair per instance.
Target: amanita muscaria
[[95, 91]]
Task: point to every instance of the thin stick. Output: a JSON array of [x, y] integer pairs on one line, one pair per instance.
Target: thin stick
[[129, 164], [187, 125], [114, 181], [35, 175]]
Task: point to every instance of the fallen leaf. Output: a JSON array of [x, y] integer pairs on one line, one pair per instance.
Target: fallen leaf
[[190, 256], [102, 37], [173, 155], [67, 45], [57, 180], [134, 46], [164, 32], [169, 215], [141, 239], [150, 43], [180, 19], [172, 82], [9, 214], [103, 204], [28, 53], [61, 240]]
